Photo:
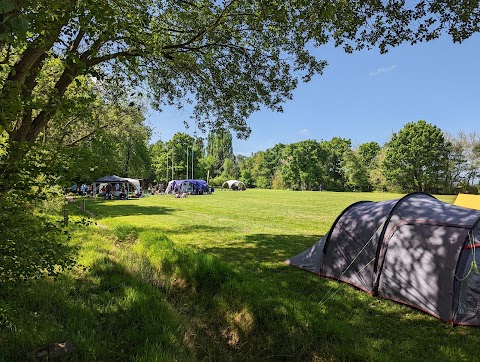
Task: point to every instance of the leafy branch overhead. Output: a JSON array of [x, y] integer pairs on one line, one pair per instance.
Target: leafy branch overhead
[[226, 58]]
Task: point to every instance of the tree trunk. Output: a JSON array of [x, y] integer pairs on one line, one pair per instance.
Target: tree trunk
[[14, 88]]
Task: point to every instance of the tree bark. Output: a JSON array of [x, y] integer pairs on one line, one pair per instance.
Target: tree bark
[[14, 86], [41, 120]]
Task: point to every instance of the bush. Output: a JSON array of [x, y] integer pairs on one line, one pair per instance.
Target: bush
[[468, 189], [217, 181], [32, 244]]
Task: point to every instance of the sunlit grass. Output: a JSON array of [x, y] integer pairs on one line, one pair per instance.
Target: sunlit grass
[[203, 278]]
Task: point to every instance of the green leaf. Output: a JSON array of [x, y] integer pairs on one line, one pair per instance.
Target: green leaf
[[20, 25], [6, 6]]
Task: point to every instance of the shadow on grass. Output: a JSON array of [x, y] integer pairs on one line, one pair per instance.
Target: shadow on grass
[[198, 228], [106, 208], [231, 304], [263, 248], [273, 312], [109, 315]]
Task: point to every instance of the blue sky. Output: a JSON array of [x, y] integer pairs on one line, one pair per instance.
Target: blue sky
[[366, 96]]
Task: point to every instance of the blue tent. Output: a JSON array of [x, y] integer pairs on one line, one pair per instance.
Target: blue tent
[[188, 186]]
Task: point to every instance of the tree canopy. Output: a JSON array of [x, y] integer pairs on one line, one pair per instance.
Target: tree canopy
[[416, 157], [227, 58]]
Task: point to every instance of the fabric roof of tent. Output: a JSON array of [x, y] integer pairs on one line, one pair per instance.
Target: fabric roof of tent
[[135, 183], [231, 183], [112, 178], [170, 186], [416, 250]]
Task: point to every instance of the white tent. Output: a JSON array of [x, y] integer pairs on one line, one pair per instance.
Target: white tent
[[135, 183], [233, 185], [131, 185]]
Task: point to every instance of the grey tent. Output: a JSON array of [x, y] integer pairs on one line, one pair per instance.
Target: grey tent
[[416, 250]]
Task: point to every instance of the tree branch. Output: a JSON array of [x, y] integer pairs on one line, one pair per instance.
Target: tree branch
[[41, 120], [77, 40], [107, 57], [88, 135], [204, 31]]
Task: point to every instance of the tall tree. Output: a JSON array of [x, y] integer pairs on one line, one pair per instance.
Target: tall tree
[[230, 169], [356, 171], [470, 146], [180, 156], [368, 153], [244, 164], [259, 176], [377, 177], [97, 133], [219, 149], [303, 163], [416, 158], [335, 150], [358, 164], [455, 174], [159, 155]]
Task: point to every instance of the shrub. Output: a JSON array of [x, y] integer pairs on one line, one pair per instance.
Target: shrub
[[32, 238], [32, 244], [469, 189]]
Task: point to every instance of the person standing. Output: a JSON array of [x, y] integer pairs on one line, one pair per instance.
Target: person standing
[[108, 191], [74, 190]]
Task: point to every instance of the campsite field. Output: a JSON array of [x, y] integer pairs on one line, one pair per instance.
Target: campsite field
[[202, 278]]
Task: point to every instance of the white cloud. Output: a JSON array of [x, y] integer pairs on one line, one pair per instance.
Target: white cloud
[[381, 70], [304, 132]]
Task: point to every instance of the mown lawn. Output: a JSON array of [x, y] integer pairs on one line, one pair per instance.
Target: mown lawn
[[202, 278]]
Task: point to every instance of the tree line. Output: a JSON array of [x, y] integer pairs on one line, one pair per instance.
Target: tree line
[[419, 157]]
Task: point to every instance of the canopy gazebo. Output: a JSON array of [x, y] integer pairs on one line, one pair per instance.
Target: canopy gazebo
[[234, 185], [130, 185]]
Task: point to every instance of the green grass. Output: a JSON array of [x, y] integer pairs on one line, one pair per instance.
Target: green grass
[[203, 278]]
